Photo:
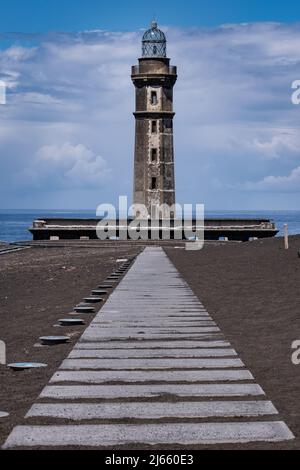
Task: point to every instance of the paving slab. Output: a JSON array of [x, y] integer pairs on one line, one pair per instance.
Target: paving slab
[[152, 324], [156, 353], [90, 335], [151, 376], [163, 433], [142, 344], [152, 309], [150, 410], [110, 392], [154, 313], [153, 316], [163, 304], [157, 301], [152, 330], [145, 363]]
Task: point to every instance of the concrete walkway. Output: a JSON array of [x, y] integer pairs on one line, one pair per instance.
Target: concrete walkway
[[152, 368]]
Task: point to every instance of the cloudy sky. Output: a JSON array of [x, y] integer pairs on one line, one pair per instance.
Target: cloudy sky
[[67, 129]]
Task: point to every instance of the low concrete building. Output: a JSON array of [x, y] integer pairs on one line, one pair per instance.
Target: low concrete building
[[214, 229]]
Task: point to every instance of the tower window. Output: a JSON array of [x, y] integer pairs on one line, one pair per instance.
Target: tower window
[[168, 125], [153, 155], [154, 127], [153, 182], [153, 98]]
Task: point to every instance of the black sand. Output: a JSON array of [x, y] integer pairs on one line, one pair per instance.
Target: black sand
[[38, 287], [252, 290]]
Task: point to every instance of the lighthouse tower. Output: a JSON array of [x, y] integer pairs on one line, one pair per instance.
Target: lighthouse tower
[[154, 79]]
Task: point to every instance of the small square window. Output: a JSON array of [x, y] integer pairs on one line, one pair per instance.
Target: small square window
[[154, 127], [168, 125], [153, 98], [153, 155], [153, 182]]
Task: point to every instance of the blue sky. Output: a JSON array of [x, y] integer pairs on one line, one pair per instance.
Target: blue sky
[[67, 130], [73, 15]]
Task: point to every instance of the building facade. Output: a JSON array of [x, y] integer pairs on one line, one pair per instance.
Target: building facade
[[154, 79]]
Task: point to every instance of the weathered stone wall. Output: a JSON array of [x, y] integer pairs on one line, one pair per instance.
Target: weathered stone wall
[[154, 181]]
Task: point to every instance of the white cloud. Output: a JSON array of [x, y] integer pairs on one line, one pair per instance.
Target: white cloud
[[38, 98], [65, 166], [281, 144], [289, 183], [18, 53]]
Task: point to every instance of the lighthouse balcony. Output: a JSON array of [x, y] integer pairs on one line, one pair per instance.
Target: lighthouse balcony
[[153, 69]]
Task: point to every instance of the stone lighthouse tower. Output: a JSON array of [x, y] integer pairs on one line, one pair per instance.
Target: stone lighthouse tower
[[154, 79]]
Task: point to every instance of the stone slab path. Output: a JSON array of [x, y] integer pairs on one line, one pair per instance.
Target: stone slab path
[[152, 369]]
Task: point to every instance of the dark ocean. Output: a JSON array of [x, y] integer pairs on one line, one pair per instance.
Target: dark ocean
[[14, 223]]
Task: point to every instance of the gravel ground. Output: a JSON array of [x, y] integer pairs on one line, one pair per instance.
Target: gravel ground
[[252, 290], [38, 287]]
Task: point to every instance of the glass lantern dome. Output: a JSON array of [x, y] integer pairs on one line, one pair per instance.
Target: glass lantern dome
[[154, 43]]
